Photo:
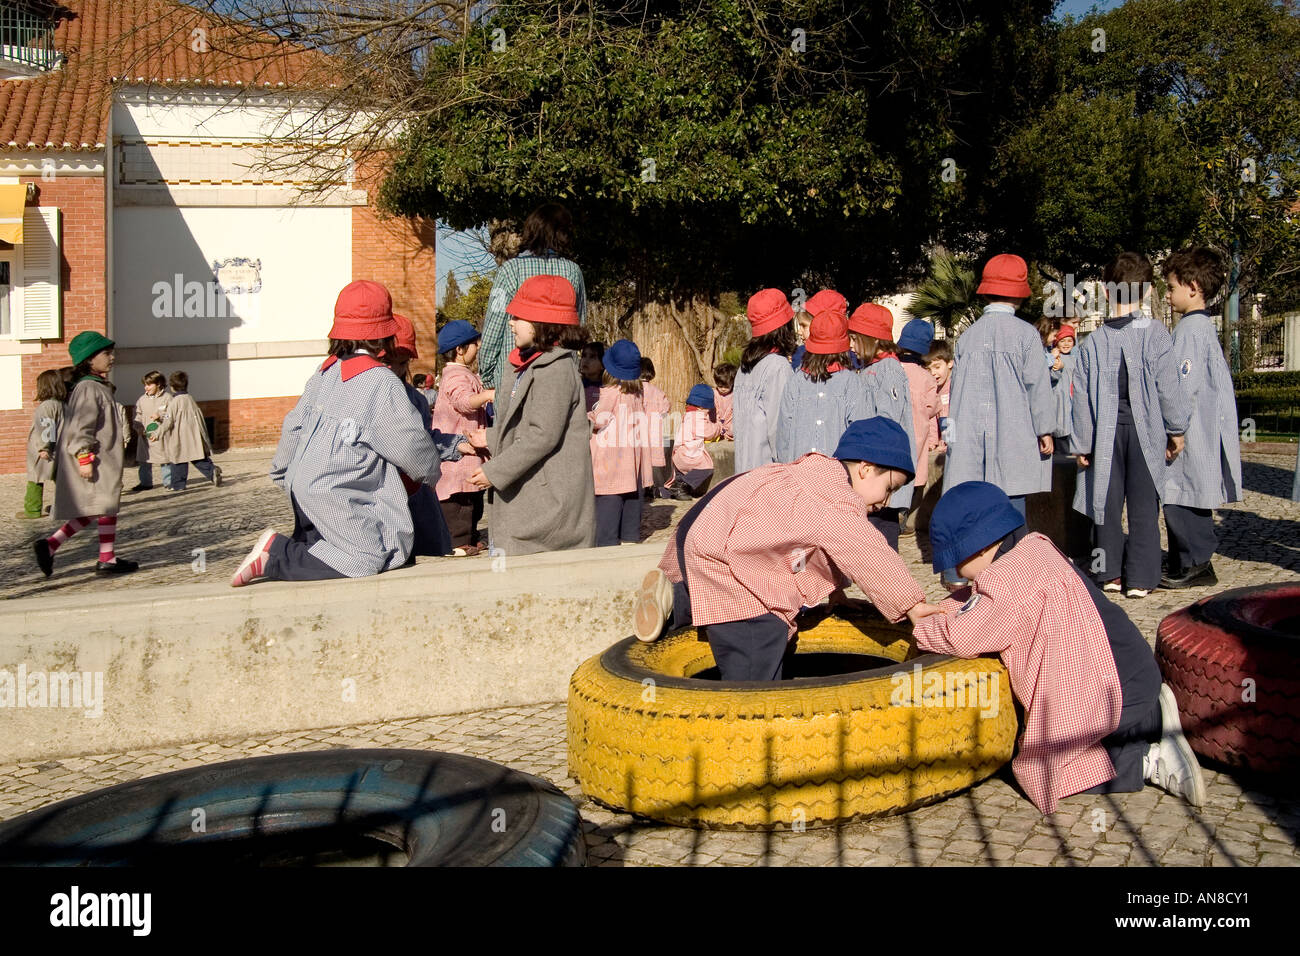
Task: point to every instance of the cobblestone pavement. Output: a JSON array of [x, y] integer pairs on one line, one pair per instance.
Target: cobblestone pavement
[[1243, 823], [1246, 821], [164, 531]]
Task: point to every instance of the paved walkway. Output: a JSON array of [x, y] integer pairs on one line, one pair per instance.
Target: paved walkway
[[1245, 822]]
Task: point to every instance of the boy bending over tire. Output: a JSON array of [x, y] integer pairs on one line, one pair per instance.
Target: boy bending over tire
[[764, 544], [1097, 717]]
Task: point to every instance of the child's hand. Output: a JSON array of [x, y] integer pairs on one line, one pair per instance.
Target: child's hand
[[480, 480], [86, 471], [1174, 447], [1082, 460], [1046, 445], [478, 438], [921, 611], [43, 455]]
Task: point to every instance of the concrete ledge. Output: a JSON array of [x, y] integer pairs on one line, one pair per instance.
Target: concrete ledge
[[203, 662]]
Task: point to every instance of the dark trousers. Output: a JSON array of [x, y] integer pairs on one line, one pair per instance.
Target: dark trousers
[[1139, 683], [695, 480], [181, 472], [1136, 560], [618, 519], [290, 560], [1192, 538], [753, 649], [1018, 502], [886, 522], [463, 512]]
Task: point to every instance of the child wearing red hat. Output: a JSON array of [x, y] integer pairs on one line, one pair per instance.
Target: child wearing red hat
[[620, 447], [823, 300], [763, 545], [1002, 412], [542, 489], [888, 393], [764, 371], [344, 453], [824, 396]]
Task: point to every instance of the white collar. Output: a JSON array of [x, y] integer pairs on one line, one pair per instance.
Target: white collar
[[1000, 307]]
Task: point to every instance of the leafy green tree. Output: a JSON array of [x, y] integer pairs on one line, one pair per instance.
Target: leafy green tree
[[1171, 122], [471, 306], [452, 292], [718, 146]]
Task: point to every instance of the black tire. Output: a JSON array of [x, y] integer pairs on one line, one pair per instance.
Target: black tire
[[438, 809]]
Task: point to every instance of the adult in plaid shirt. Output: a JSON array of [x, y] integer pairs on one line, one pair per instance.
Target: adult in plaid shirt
[[545, 243], [1097, 717]]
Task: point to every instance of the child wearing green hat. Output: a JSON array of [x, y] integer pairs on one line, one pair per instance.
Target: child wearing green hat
[[1097, 717], [89, 457]]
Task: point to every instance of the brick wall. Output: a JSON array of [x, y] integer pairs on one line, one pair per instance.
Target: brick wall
[[400, 253], [80, 201]]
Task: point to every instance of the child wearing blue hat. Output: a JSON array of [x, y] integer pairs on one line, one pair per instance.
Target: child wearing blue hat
[[1097, 717], [462, 411], [766, 543], [620, 447], [692, 465]]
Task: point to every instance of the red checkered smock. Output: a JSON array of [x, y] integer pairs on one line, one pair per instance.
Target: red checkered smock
[[782, 537], [1031, 609]]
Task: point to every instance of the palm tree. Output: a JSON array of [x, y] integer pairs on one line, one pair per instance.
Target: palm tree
[[947, 297]]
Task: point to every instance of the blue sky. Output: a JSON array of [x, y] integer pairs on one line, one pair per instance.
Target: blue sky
[[460, 254]]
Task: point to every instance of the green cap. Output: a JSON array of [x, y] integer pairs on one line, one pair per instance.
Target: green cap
[[86, 344]]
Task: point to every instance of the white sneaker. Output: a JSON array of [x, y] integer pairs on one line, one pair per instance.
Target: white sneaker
[[1112, 586], [1136, 592], [1170, 764], [654, 606]]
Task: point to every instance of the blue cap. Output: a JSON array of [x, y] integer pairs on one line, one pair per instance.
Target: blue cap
[[623, 361], [968, 518], [916, 336], [454, 333], [880, 441], [701, 396]]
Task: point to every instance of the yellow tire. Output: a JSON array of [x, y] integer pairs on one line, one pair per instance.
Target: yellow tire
[[649, 737]]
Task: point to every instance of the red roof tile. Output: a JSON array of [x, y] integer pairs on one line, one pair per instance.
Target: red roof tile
[[140, 41]]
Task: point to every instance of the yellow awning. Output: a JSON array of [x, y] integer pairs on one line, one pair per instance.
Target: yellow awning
[[13, 198]]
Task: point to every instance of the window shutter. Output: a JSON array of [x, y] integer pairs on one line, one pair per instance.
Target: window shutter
[[41, 269]]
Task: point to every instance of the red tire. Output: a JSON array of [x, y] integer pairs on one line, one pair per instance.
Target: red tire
[[1233, 662]]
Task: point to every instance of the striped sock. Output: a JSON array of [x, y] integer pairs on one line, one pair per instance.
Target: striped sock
[[107, 538], [66, 532]]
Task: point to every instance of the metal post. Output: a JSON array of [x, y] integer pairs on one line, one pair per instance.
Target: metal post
[[1230, 311]]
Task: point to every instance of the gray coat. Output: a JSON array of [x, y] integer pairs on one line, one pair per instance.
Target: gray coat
[[888, 393], [91, 423], [343, 451], [1155, 395], [44, 434], [182, 433], [149, 408], [814, 415], [1001, 402], [755, 404], [1208, 472], [543, 490]]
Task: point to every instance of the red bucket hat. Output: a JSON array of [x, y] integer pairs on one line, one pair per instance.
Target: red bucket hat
[[549, 299], [768, 310], [363, 310], [1006, 276], [1066, 332], [826, 299], [829, 333], [874, 320], [405, 336]]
